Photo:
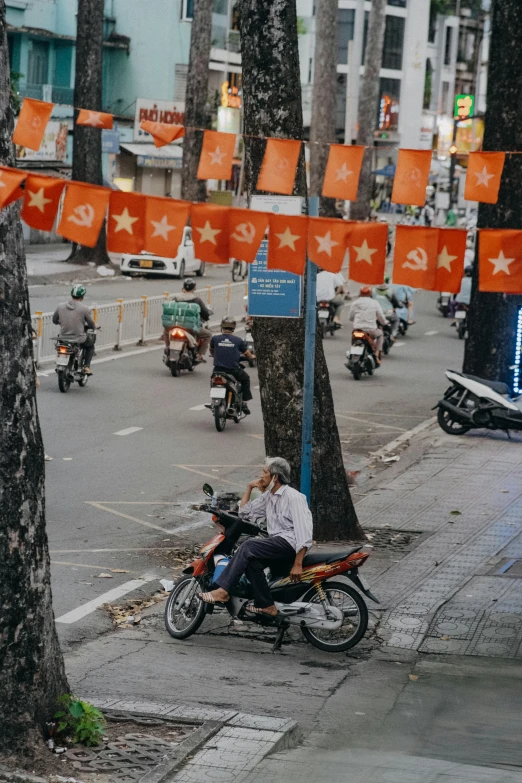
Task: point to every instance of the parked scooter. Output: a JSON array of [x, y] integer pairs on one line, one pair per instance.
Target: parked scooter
[[362, 356]]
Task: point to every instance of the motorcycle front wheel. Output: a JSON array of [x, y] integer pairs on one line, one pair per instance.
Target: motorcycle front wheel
[[356, 371], [220, 416], [184, 611], [64, 382], [355, 612]]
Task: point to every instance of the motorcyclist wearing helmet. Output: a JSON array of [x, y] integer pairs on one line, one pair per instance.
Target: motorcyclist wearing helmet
[[204, 334], [226, 349], [74, 318], [464, 295], [366, 314], [388, 301]]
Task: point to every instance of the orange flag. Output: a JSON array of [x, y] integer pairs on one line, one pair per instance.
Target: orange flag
[[328, 242], [83, 213], [341, 178], [41, 201], [411, 177], [165, 220], [279, 165], [217, 152], [126, 222], [247, 230], [367, 243], [31, 123], [450, 259], [162, 133], [210, 232], [500, 261], [483, 176], [287, 243], [416, 256], [95, 119], [10, 181]]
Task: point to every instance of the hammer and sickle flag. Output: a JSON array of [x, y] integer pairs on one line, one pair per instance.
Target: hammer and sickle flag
[[83, 213], [247, 229], [411, 177], [32, 121], [416, 256]]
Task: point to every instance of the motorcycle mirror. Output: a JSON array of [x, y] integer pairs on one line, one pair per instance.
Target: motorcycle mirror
[[207, 489]]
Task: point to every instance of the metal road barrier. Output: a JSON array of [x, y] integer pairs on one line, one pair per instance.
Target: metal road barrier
[[134, 321]]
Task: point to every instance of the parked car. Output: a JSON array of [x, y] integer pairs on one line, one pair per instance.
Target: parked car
[[148, 264]]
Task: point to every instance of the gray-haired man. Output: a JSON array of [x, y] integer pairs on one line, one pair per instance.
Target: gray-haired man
[[289, 526]]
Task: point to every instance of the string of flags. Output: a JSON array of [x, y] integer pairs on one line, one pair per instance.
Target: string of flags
[[279, 166]]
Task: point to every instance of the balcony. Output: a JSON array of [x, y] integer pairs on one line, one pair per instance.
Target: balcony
[[47, 92]]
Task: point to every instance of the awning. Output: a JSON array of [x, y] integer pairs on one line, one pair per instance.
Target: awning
[[149, 156]]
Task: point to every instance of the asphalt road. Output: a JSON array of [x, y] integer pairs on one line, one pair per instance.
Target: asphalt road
[[132, 449]]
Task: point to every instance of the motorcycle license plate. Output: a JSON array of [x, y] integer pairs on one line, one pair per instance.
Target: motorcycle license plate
[[357, 350], [62, 360], [218, 394], [460, 315], [146, 264], [176, 345], [323, 313]]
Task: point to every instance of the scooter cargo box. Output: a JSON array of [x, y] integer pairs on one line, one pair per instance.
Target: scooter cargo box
[[185, 314]]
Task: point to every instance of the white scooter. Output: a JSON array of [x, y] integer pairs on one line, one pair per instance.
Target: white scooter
[[474, 403]]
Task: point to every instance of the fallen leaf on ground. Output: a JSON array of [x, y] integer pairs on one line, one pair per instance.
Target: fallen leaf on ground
[[413, 677], [85, 583], [105, 576], [445, 638], [119, 571], [455, 513]]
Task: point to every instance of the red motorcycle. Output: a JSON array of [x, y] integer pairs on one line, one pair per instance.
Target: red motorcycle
[[331, 614]]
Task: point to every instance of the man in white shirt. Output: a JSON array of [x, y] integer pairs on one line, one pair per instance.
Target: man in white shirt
[[365, 313], [330, 288], [289, 526]]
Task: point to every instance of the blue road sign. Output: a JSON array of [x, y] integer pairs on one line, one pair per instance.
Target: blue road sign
[[110, 141], [271, 292]]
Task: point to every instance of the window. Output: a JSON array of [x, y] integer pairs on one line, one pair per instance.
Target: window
[[447, 45], [397, 3], [444, 97], [187, 10], [393, 43], [345, 25], [38, 66]]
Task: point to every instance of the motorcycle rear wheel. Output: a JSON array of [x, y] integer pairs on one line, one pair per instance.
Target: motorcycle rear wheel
[[356, 371], [184, 611], [346, 598], [220, 416], [450, 425], [174, 369], [64, 382]]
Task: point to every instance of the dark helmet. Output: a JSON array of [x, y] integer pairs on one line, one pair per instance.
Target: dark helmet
[[189, 284], [468, 270], [228, 323]]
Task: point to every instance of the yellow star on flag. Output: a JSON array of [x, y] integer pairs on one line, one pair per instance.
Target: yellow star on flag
[[208, 234], [326, 244], [124, 222], [217, 156], [162, 228], [343, 173], [287, 239], [483, 177], [444, 259], [365, 253], [501, 263], [38, 199]]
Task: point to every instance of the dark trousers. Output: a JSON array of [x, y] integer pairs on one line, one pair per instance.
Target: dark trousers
[[251, 558], [88, 350], [243, 378]]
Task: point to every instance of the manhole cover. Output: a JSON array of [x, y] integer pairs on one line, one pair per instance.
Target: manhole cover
[[394, 540]]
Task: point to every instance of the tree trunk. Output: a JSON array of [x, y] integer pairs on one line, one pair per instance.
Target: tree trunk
[[196, 99], [31, 665], [322, 130], [272, 107], [368, 102], [87, 142], [492, 318]]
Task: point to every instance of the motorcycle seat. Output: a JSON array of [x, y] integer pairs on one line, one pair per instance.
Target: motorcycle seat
[[496, 386], [224, 374], [329, 556]]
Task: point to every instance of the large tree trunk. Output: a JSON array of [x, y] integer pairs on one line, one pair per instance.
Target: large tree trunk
[[322, 130], [87, 142], [31, 665], [196, 111], [368, 101], [272, 107], [492, 318]]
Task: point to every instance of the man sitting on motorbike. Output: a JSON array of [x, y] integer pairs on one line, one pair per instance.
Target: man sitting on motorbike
[[187, 295], [74, 317], [226, 349], [290, 528], [387, 299], [330, 287], [366, 313]]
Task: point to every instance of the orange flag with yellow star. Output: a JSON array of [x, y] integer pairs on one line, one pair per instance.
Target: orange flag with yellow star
[[287, 243], [210, 232], [451, 250], [165, 219], [415, 257], [126, 222], [411, 177], [31, 123], [41, 201], [367, 243], [279, 166], [500, 261], [83, 213], [94, 119], [328, 242], [10, 181], [341, 178], [483, 176], [217, 154]]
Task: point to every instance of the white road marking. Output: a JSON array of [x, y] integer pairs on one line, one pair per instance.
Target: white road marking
[[259, 437], [124, 354], [44, 374], [128, 431], [398, 343], [190, 526], [207, 475], [102, 507], [373, 423], [197, 408], [110, 595], [430, 334]]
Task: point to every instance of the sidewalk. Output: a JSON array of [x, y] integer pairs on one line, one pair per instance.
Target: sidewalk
[[47, 264]]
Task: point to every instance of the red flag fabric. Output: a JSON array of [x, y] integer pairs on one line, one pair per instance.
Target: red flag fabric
[[162, 133], [415, 258], [95, 119], [210, 232], [287, 243], [341, 178], [411, 177], [83, 213], [10, 181], [500, 261], [367, 243], [165, 220], [328, 242], [247, 229], [483, 176], [450, 259], [126, 222], [41, 201], [217, 153], [279, 165], [31, 123]]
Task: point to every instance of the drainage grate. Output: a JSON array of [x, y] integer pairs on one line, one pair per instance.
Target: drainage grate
[[394, 540]]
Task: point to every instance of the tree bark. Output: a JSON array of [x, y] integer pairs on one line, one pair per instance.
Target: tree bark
[[87, 142], [368, 101], [272, 107], [322, 130], [492, 318], [31, 665], [196, 99]]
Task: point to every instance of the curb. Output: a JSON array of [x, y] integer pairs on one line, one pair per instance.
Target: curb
[[406, 436]]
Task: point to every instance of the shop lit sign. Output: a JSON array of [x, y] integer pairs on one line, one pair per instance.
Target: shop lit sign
[[230, 97], [464, 107]]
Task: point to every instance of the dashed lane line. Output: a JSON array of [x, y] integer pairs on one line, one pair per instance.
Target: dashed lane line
[[111, 595], [102, 507], [209, 475], [198, 408], [430, 334], [128, 431], [373, 423]]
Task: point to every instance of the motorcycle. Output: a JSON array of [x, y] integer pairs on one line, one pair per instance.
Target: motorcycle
[[472, 402], [331, 614], [226, 399], [325, 316], [461, 317], [249, 340], [362, 356], [402, 312], [69, 362], [443, 303], [182, 351], [239, 270]]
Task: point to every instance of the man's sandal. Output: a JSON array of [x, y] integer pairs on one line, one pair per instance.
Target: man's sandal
[[257, 610], [207, 598]]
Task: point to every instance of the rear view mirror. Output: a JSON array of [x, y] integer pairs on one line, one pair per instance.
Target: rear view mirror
[[207, 489]]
